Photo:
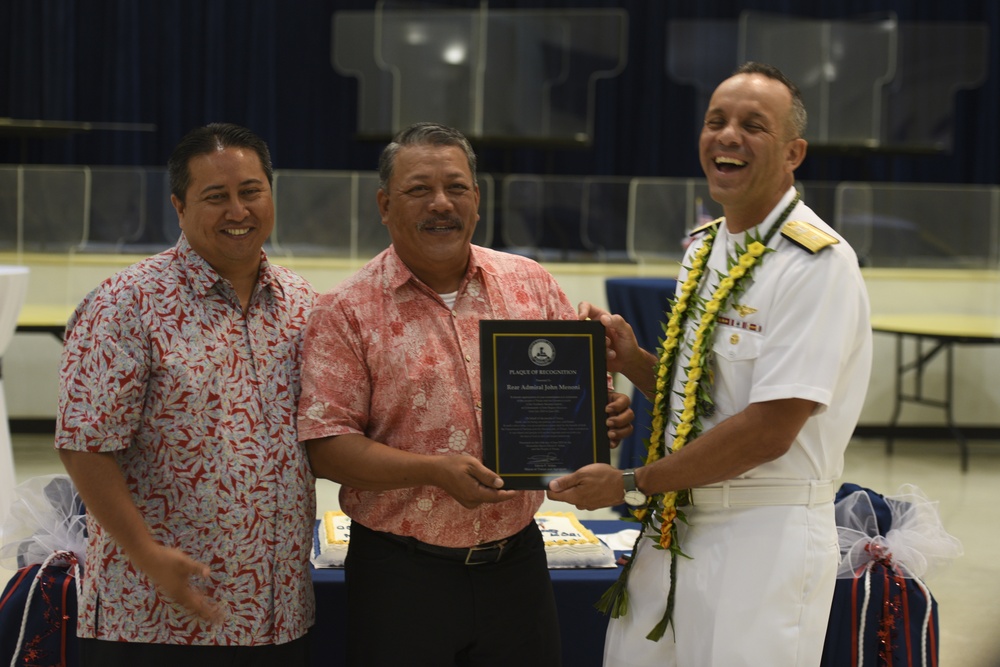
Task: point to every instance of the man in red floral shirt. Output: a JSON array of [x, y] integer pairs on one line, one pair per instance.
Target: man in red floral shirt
[[391, 407], [179, 384]]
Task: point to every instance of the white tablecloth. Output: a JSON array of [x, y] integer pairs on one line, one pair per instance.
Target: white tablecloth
[[13, 288]]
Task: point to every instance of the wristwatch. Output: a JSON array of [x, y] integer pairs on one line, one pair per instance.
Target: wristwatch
[[633, 496]]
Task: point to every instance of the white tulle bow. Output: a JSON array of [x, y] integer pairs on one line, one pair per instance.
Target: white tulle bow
[[915, 545], [45, 517]]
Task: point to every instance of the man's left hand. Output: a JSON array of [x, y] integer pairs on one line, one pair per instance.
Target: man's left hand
[[620, 418]]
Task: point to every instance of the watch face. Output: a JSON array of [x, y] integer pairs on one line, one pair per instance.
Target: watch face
[[635, 498]]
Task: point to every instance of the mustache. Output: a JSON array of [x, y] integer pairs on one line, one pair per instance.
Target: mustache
[[450, 221]]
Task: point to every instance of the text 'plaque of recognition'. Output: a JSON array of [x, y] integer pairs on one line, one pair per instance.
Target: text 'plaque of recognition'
[[545, 389]]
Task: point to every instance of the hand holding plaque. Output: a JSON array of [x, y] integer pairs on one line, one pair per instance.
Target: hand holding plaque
[[544, 386]]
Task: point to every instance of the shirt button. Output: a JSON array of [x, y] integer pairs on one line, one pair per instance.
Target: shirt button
[[479, 405], [454, 314], [468, 358], [735, 338]]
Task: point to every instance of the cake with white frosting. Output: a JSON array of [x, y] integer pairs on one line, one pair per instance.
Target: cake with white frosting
[[330, 539], [568, 543]]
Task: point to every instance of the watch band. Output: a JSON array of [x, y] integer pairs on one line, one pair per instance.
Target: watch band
[[628, 476], [634, 497]]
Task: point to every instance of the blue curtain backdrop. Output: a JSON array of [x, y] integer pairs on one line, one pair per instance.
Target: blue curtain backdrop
[[266, 64]]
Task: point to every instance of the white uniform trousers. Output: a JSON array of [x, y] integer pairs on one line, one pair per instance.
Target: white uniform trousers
[[757, 591]]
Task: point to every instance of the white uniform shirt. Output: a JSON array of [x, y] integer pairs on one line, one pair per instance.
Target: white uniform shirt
[[758, 585], [800, 330]]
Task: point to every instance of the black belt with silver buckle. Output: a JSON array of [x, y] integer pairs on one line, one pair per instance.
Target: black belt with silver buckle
[[480, 554]]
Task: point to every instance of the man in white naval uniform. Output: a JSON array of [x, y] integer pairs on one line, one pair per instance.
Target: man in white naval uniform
[[790, 361]]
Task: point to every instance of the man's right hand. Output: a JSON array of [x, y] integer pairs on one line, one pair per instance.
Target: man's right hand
[[101, 486], [181, 578], [471, 483]]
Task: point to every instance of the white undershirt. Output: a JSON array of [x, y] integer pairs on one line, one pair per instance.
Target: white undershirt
[[449, 298]]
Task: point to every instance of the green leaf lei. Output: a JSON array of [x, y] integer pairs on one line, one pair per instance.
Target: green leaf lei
[[664, 508]]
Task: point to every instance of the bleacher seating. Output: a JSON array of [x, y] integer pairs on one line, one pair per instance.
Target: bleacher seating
[[80, 210]]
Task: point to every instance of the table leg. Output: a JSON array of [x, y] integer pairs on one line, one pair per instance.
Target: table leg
[[949, 392], [917, 366], [898, 407]]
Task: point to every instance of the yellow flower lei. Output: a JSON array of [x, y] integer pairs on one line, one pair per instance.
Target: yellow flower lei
[[663, 508]]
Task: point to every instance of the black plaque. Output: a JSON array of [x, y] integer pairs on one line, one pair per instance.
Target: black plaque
[[545, 389]]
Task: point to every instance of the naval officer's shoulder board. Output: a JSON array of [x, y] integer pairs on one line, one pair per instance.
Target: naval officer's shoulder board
[[810, 238], [706, 226]]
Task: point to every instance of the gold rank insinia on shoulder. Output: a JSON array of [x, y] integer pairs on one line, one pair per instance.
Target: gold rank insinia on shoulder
[[707, 225], [807, 236]]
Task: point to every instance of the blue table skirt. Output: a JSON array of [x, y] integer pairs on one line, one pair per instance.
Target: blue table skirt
[[644, 303], [583, 627]]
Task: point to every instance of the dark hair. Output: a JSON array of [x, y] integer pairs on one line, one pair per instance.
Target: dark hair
[[207, 139], [798, 116], [432, 134]]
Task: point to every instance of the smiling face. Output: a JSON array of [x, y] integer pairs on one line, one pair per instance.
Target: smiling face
[[431, 206], [748, 147], [227, 212]]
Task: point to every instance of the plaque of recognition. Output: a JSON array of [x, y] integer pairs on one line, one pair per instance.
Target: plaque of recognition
[[545, 389]]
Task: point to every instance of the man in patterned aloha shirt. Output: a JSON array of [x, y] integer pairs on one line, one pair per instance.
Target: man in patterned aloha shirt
[[391, 407], [179, 383]]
